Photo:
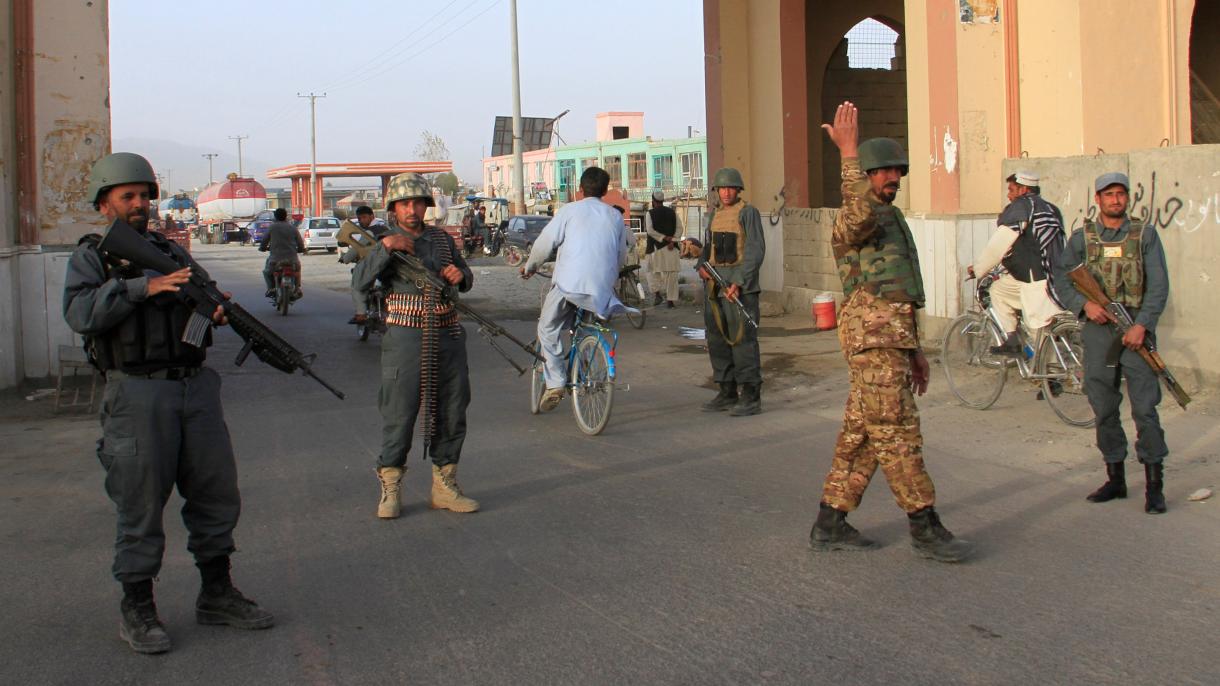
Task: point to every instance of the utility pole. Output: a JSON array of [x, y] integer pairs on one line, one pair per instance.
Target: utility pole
[[314, 200], [169, 180], [516, 196], [211, 156], [239, 139]]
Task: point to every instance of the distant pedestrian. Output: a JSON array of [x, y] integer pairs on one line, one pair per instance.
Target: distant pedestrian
[[663, 228]]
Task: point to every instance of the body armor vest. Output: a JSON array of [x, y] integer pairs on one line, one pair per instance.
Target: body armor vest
[[888, 266], [150, 338], [727, 237], [1118, 266]]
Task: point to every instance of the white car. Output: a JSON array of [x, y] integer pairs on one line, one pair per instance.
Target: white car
[[320, 232]]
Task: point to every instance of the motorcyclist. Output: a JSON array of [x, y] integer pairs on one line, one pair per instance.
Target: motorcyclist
[[366, 220], [284, 242]]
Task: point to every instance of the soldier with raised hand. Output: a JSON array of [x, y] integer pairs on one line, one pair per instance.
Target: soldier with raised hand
[[162, 421], [1127, 259], [423, 352], [735, 247], [879, 267]]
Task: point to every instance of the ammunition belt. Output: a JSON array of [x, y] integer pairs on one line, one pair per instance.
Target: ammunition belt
[[411, 309]]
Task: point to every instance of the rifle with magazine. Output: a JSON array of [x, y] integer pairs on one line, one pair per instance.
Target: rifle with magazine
[[1121, 319], [724, 288], [123, 242]]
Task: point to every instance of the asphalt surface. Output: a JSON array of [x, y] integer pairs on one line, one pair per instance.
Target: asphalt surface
[[671, 549]]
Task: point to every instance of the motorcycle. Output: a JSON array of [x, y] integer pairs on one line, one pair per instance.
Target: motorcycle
[[287, 286], [374, 311]]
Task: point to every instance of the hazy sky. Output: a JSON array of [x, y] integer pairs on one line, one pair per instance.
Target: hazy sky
[[187, 74]]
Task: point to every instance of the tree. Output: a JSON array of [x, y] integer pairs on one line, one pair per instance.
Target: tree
[[431, 148], [447, 182]]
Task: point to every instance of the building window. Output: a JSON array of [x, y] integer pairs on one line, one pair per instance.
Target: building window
[[567, 176], [870, 45], [637, 170], [619, 132], [614, 167], [663, 171], [692, 169], [588, 162], [538, 172]]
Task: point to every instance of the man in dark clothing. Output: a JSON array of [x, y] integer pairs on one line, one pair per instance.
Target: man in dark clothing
[[162, 422], [285, 243], [662, 253], [1126, 258]]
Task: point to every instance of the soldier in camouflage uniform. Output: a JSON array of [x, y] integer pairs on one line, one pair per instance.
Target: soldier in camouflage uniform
[[735, 247], [1128, 261], [423, 352], [883, 287]]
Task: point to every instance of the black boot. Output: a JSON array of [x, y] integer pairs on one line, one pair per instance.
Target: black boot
[[1115, 485], [140, 625], [656, 298], [1010, 348], [750, 401], [219, 602], [931, 539], [832, 532], [1154, 499], [726, 398]]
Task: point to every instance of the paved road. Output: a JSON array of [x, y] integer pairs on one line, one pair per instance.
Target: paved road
[[670, 550]]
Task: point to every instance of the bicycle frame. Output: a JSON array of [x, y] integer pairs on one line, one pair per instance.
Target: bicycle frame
[[1025, 364], [585, 326]]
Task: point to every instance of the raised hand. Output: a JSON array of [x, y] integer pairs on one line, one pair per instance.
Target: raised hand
[[845, 131]]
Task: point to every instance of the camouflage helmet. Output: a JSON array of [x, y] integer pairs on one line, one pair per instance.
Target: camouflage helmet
[[407, 186], [877, 153], [728, 177], [117, 169]]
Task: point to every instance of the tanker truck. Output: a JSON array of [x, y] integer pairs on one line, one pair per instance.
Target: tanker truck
[[227, 208]]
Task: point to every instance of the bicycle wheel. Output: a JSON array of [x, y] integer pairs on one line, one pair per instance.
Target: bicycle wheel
[[513, 256], [975, 376], [592, 387], [1061, 360], [632, 294], [537, 386]]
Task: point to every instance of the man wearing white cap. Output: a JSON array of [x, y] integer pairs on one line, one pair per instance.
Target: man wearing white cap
[[1027, 243], [662, 251]]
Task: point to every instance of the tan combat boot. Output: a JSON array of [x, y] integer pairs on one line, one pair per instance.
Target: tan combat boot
[[391, 505], [446, 494]]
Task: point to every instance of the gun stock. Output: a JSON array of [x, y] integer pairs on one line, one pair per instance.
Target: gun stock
[[124, 242], [1121, 319]]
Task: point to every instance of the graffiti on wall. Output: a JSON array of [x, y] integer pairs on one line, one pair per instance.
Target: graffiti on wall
[[1156, 203]]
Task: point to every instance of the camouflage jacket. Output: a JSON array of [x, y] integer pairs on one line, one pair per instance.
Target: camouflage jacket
[[879, 268]]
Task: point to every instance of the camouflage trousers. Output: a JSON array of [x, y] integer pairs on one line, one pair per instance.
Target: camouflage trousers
[[880, 427]]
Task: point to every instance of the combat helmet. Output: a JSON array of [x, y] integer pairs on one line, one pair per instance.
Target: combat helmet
[[877, 153], [407, 186], [117, 169], [728, 177]]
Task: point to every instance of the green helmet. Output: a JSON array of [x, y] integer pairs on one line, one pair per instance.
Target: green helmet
[[728, 177], [119, 168], [876, 153], [407, 186]]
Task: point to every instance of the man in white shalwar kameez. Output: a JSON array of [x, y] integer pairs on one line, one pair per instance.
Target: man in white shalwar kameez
[[591, 243]]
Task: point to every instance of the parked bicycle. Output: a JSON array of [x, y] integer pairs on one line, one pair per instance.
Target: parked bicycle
[[633, 295], [1055, 362]]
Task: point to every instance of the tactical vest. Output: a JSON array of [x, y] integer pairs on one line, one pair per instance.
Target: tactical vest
[[1118, 266], [150, 337], [888, 266], [728, 238]]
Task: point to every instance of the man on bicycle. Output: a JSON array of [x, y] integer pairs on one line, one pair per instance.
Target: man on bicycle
[[1028, 243], [591, 243], [284, 242]]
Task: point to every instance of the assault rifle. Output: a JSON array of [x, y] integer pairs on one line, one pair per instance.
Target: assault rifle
[[1121, 319], [724, 287], [449, 293], [123, 242]]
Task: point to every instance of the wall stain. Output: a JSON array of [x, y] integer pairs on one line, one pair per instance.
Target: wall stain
[[68, 152]]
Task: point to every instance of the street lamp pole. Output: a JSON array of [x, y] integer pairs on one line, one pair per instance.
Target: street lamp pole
[[314, 200], [517, 194]]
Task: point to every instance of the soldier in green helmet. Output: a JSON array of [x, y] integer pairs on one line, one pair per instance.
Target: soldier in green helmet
[[882, 286], [735, 247], [1125, 256], [423, 352], [162, 421]]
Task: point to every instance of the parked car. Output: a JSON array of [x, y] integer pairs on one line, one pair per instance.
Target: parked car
[[519, 236], [259, 225], [320, 232]]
